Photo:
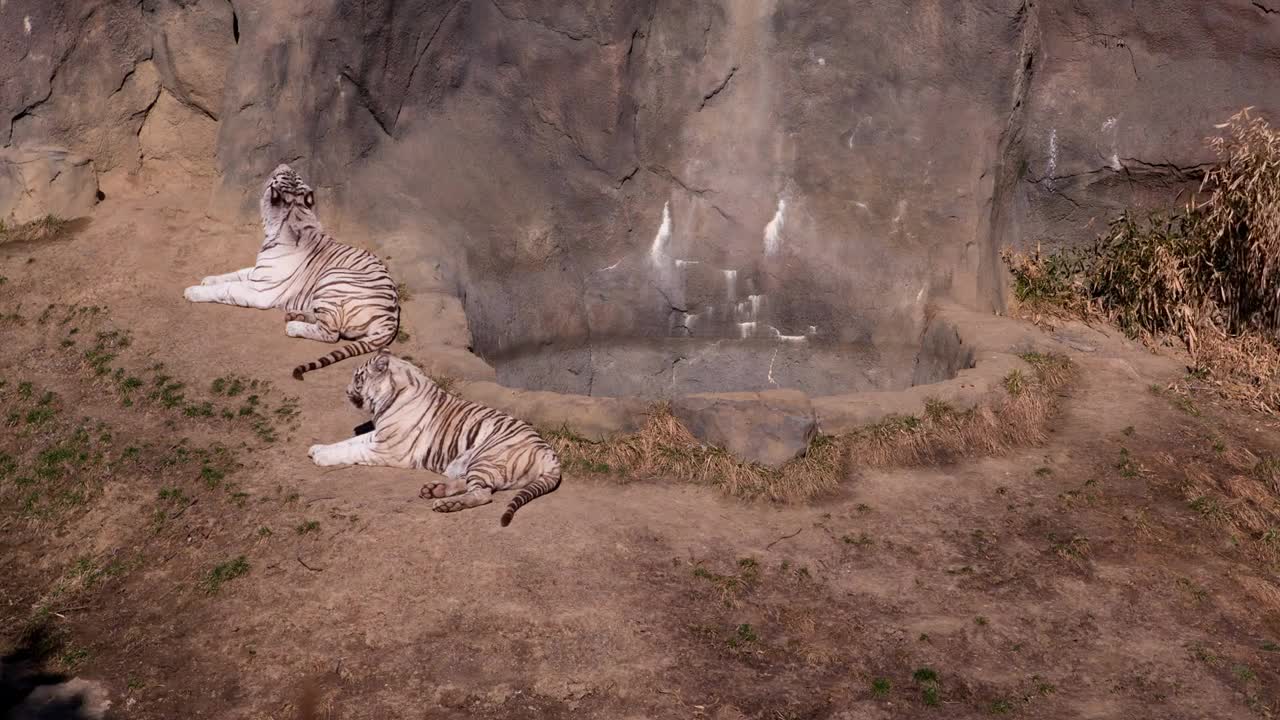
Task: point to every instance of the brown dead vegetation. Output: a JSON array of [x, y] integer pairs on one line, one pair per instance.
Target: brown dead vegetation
[[664, 447], [1207, 277], [946, 434]]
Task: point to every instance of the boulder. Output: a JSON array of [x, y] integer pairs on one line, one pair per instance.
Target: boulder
[[769, 427], [434, 318], [177, 139], [39, 181], [79, 76], [193, 43], [609, 169]]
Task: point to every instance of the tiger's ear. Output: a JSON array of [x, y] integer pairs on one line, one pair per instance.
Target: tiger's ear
[[309, 199], [382, 361]]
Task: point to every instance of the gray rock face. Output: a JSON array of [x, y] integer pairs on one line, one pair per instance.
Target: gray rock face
[[193, 42], [648, 169], [669, 368], [81, 78], [767, 427], [634, 169], [1120, 101]]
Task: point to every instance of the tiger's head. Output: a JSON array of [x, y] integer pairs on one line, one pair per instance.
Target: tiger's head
[[285, 197], [374, 383]]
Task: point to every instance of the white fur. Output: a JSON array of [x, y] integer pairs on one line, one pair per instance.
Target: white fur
[[241, 294], [458, 467], [358, 450], [238, 276], [297, 329]]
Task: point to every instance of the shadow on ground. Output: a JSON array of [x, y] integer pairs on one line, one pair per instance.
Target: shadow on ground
[[30, 692]]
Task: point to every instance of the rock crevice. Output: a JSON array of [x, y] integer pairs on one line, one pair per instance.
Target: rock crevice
[[849, 165]]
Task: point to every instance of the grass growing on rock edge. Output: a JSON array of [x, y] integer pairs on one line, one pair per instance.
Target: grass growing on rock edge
[[945, 434], [665, 448], [1204, 276]]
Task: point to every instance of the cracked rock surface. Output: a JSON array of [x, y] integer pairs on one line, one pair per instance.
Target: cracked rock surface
[[38, 181], [609, 169]]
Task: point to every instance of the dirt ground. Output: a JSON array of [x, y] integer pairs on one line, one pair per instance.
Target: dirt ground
[[165, 539]]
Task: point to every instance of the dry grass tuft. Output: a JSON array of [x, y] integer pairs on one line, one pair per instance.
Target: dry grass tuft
[[1266, 594], [945, 434], [49, 227], [1240, 224], [1241, 368], [1208, 276], [1048, 285], [1242, 497], [665, 448]]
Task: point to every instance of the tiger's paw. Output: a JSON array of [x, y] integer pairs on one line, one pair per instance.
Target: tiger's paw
[[322, 456], [446, 505], [195, 293], [435, 490], [209, 280]]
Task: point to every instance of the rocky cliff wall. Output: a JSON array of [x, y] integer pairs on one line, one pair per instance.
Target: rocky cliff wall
[[722, 168]]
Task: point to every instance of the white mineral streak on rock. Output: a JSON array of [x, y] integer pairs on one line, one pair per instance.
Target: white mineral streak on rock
[[660, 241], [730, 284], [1053, 156], [773, 231], [1109, 127]]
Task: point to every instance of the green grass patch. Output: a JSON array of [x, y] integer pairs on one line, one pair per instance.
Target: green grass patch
[[224, 573]]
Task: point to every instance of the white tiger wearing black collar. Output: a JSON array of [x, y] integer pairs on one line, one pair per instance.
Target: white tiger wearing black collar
[[329, 291], [418, 425]]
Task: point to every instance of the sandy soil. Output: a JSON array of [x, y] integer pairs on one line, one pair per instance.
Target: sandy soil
[[1073, 580]]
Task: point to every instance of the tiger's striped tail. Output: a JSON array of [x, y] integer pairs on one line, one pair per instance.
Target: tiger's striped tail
[[360, 347], [546, 483]]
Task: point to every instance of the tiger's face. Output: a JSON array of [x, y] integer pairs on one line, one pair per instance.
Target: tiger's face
[[284, 195], [371, 382]]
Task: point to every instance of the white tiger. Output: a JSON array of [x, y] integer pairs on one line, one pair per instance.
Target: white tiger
[[416, 424], [328, 290]]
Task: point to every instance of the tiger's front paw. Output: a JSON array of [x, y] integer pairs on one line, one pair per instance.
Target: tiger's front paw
[[322, 456], [195, 293], [209, 280]]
